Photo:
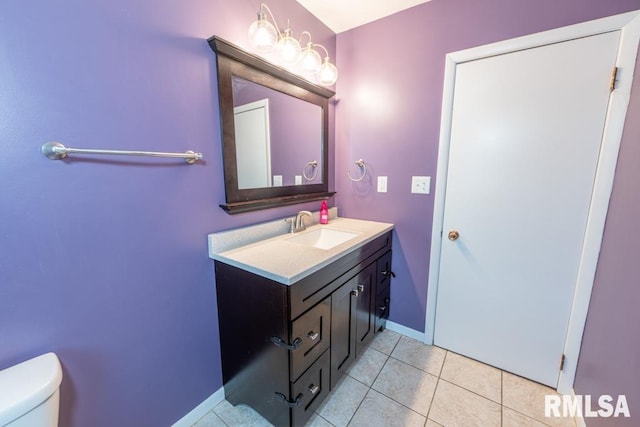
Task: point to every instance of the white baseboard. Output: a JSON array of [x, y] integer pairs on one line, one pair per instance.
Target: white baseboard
[[199, 411], [411, 333]]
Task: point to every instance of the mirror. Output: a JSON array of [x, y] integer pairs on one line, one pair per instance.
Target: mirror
[[274, 132], [278, 137]]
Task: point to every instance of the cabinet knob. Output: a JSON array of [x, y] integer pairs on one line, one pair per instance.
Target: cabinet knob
[[360, 288], [387, 273], [313, 389], [355, 292], [313, 335]]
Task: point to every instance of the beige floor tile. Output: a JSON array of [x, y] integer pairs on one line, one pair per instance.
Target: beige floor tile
[[527, 397], [431, 423], [317, 421], [472, 375], [210, 420], [454, 406], [368, 366], [511, 418], [422, 356], [407, 385], [240, 415], [378, 410], [385, 341], [342, 402]]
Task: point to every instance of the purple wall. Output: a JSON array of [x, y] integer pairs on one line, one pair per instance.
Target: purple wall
[[390, 96], [104, 260]]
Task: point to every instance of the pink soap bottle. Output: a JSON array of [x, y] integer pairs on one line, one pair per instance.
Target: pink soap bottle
[[324, 213]]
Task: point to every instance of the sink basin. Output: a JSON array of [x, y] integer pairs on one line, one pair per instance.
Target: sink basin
[[322, 238]]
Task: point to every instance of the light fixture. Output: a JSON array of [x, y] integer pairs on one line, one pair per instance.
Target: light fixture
[[310, 60], [328, 73], [288, 48], [265, 37]]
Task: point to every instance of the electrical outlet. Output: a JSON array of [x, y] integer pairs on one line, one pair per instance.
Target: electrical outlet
[[277, 180], [421, 184], [298, 180], [382, 184]]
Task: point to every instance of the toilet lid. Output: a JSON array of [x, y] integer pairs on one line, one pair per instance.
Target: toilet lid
[[28, 384]]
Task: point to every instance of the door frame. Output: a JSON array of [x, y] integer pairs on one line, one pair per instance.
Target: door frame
[[629, 25], [265, 145]]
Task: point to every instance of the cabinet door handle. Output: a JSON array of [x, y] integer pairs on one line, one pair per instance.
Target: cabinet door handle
[[313, 335], [313, 389], [360, 288], [280, 343], [355, 292], [383, 308], [289, 403], [387, 273]]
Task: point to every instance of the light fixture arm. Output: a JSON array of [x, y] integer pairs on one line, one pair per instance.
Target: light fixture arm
[[308, 34], [275, 23], [323, 48]]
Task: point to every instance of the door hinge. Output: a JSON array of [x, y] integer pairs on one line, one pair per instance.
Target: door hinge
[[614, 75], [562, 360]]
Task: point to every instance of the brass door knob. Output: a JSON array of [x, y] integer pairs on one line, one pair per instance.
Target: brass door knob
[[453, 235]]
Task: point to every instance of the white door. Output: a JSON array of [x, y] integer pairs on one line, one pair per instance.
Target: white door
[[253, 144], [525, 140]]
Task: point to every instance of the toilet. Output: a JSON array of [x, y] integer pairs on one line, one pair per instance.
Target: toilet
[[29, 393]]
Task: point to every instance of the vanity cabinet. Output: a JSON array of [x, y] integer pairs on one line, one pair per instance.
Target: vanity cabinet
[[283, 346]]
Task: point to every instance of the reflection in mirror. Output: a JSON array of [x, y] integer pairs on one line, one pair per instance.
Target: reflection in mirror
[[278, 137], [275, 128]]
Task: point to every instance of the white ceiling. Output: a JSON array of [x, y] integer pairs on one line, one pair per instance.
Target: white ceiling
[[342, 15]]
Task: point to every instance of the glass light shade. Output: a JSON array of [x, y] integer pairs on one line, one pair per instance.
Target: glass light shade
[[288, 48], [310, 60], [328, 73], [262, 34]]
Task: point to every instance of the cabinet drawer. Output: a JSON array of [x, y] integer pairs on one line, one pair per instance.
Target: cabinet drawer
[[311, 389], [313, 329], [317, 286]]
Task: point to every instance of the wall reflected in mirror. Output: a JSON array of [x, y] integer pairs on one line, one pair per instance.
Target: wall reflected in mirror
[[278, 137]]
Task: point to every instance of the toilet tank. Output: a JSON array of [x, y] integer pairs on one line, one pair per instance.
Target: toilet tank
[[29, 393]]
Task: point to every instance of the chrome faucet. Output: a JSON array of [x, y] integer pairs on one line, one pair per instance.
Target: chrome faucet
[[299, 224]]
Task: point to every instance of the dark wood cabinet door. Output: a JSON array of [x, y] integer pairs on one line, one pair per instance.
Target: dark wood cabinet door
[[343, 329], [383, 291], [364, 315]]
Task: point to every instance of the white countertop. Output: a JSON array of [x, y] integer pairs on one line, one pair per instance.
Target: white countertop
[[287, 262]]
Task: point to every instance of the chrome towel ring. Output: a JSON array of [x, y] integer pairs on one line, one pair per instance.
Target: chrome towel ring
[[361, 165], [314, 167]]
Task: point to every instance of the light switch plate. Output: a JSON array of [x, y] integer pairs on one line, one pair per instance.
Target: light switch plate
[[382, 184], [277, 180], [298, 180], [421, 184]]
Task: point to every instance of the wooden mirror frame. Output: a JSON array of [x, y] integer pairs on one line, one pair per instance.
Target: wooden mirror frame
[[233, 61]]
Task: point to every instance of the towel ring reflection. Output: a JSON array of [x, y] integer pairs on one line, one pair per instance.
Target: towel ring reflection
[[362, 166], [314, 166]]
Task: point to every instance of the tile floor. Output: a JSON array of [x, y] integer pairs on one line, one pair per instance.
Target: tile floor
[[399, 381]]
